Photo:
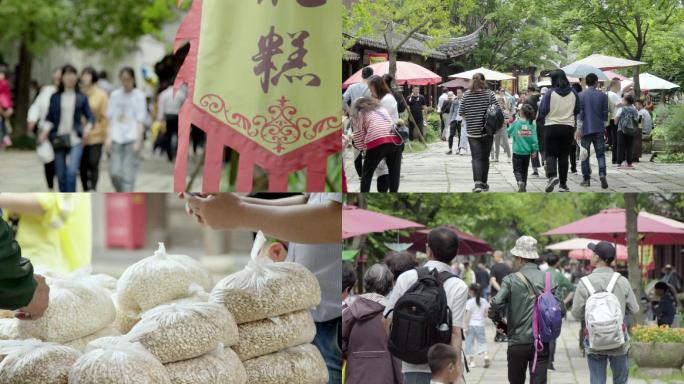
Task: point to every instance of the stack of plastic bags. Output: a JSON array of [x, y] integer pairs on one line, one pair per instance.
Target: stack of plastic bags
[[271, 302]]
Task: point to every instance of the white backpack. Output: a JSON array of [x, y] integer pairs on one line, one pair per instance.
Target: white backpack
[[603, 316]]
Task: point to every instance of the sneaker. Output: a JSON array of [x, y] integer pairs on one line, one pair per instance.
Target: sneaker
[[574, 171], [449, 152], [536, 172], [485, 187], [486, 362], [521, 187], [478, 188], [552, 184], [585, 183], [630, 166], [604, 182], [563, 188], [551, 367]]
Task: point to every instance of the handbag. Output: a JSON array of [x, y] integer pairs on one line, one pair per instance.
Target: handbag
[[61, 142]]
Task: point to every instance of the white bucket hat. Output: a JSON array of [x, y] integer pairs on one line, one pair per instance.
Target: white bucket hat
[[526, 247]]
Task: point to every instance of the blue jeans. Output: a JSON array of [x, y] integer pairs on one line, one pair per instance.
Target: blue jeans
[[618, 364], [600, 147], [475, 334], [123, 166], [326, 340], [67, 163], [417, 378]]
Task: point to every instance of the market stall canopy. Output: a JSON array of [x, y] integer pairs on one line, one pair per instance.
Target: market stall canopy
[[489, 74], [581, 70], [357, 221], [608, 62], [468, 244], [456, 83], [586, 254], [651, 82], [407, 73], [610, 225]]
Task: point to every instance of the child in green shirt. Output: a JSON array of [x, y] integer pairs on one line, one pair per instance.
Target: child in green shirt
[[525, 144]]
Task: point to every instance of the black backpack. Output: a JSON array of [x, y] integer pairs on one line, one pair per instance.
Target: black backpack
[[421, 318], [493, 119]]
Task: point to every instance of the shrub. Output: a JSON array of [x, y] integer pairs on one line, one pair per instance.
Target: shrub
[[671, 128], [654, 334]]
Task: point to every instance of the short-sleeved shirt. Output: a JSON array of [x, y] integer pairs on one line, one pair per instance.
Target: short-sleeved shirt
[[126, 110], [499, 271], [355, 92], [646, 119], [416, 104], [325, 262], [478, 314], [456, 293]]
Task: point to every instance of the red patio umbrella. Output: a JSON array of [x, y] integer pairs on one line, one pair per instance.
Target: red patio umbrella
[[468, 244], [407, 73], [609, 225], [357, 221], [455, 83]]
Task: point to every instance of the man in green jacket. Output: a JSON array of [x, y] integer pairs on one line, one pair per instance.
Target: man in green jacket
[[603, 257], [20, 289], [514, 299]]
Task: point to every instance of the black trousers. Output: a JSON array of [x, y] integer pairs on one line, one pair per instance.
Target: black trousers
[[50, 174], [392, 154], [573, 157], [419, 121], [198, 138], [90, 166], [612, 140], [625, 148], [455, 130], [171, 131], [558, 139], [520, 359], [480, 148], [521, 166]]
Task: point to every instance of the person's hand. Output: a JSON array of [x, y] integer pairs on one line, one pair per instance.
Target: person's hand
[[39, 303], [223, 211], [43, 136], [108, 145], [534, 155], [578, 135]]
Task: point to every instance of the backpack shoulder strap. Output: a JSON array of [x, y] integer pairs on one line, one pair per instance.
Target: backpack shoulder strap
[[522, 278], [422, 272], [587, 283], [444, 276], [547, 282], [613, 282]]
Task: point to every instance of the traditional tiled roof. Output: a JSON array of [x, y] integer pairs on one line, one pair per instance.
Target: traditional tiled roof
[[350, 56], [416, 44]]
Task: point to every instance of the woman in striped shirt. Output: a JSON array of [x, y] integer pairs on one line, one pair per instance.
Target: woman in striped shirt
[[475, 102], [373, 134]]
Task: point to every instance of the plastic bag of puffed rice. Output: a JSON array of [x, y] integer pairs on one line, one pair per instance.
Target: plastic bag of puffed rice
[[159, 279], [185, 330], [266, 289], [261, 337], [221, 366], [79, 306], [302, 364], [82, 343], [9, 330], [35, 362], [118, 360]]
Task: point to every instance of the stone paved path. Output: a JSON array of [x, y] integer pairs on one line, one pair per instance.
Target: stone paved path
[[21, 171], [433, 171]]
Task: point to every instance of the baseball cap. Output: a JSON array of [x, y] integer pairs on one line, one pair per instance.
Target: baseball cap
[[604, 250]]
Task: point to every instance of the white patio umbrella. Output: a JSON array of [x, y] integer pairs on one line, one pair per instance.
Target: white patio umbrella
[[489, 74], [651, 82], [572, 244], [581, 70], [605, 62]]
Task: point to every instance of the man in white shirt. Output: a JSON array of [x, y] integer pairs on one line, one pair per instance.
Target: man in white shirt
[[442, 247], [614, 101], [440, 103]]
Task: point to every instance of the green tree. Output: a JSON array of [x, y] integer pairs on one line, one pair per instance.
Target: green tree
[[621, 27], [94, 25], [633, 264]]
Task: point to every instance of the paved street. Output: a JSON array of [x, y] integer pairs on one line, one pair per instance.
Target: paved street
[[21, 171], [433, 171], [571, 367]]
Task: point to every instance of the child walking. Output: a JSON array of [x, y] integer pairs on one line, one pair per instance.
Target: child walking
[[6, 107], [525, 144], [475, 315]]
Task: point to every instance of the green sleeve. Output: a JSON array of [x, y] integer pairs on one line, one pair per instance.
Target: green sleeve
[[535, 139], [511, 128], [16, 273], [500, 301], [579, 301]]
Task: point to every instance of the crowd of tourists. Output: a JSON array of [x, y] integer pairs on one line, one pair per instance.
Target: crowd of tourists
[[549, 129], [81, 116], [410, 323]]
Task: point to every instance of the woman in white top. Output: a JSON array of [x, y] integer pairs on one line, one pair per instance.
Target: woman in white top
[[36, 123], [127, 110], [476, 313], [381, 91]]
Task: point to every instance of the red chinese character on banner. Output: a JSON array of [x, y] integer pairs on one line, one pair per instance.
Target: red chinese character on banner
[[271, 46], [303, 3]]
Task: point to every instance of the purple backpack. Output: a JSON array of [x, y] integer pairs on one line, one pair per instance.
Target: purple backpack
[[547, 320]]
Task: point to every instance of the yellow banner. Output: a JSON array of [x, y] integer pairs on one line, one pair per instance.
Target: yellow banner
[[266, 66]]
